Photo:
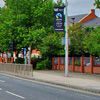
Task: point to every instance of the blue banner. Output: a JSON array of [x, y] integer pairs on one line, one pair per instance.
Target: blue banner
[[59, 19]]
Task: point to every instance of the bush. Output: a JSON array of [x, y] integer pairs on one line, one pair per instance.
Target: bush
[[77, 63], [43, 64], [34, 60], [20, 60]]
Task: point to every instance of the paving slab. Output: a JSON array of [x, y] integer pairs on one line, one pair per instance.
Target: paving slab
[[82, 80]]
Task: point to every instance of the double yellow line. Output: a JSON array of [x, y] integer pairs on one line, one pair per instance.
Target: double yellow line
[[68, 88]]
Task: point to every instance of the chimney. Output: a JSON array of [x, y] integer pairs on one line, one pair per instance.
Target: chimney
[[93, 11]]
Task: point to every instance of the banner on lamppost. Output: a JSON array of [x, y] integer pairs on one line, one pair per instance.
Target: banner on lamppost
[[59, 19]]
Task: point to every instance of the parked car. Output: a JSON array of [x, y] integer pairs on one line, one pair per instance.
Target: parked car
[[97, 63], [88, 64]]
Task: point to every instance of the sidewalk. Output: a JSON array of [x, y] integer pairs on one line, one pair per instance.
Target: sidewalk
[[75, 80]]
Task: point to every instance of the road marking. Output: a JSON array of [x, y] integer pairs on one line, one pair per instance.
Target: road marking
[[2, 81], [81, 91], [15, 94], [0, 89]]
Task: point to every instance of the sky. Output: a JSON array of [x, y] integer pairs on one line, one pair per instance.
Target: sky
[[76, 7]]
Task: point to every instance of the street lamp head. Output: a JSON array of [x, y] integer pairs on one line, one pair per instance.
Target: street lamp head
[[73, 20]]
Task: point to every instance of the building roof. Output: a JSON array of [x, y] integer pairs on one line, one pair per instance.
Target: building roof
[[77, 18], [87, 19], [92, 22]]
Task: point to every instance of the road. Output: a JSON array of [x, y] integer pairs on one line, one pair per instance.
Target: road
[[13, 88]]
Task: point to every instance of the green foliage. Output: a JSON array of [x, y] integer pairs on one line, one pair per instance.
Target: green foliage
[[82, 40], [30, 23], [34, 58], [51, 45], [92, 42], [26, 21], [76, 34], [97, 3], [77, 63], [20, 60], [44, 64]]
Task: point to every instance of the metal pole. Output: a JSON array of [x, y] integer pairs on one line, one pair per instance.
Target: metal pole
[[29, 54], [66, 41], [25, 59], [25, 55], [6, 57]]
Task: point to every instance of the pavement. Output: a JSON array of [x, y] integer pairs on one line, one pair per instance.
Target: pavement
[[83, 81]]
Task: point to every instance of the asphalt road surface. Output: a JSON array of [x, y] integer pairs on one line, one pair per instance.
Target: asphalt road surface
[[12, 88]]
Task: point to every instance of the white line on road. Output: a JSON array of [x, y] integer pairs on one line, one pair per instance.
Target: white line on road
[[2, 81], [15, 94]]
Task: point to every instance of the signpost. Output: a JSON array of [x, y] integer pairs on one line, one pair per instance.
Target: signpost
[[24, 54], [66, 40], [59, 26]]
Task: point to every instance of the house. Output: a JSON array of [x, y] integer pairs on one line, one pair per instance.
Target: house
[[87, 19], [35, 53]]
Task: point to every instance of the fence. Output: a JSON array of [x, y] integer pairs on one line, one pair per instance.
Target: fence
[[78, 64], [9, 60], [17, 69]]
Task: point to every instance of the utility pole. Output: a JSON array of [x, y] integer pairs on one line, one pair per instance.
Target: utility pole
[[66, 40]]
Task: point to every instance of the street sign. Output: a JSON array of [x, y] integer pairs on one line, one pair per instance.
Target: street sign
[[24, 51], [63, 41], [59, 19]]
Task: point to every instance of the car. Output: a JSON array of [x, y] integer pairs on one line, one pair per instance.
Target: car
[[88, 64], [96, 63]]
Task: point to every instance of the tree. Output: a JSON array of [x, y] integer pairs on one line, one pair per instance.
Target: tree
[[92, 42], [97, 3], [26, 20], [76, 34], [5, 29], [51, 46]]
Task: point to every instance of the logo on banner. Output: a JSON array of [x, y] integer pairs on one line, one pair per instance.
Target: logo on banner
[[58, 15]]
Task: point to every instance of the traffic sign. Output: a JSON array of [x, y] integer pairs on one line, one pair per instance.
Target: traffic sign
[[24, 51], [63, 41]]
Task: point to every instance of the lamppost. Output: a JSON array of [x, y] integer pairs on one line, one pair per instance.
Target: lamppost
[[73, 20], [66, 40]]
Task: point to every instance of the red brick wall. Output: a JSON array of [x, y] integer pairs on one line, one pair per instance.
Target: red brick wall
[[0, 59], [96, 70], [70, 68], [87, 69], [62, 67], [77, 68], [83, 69]]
